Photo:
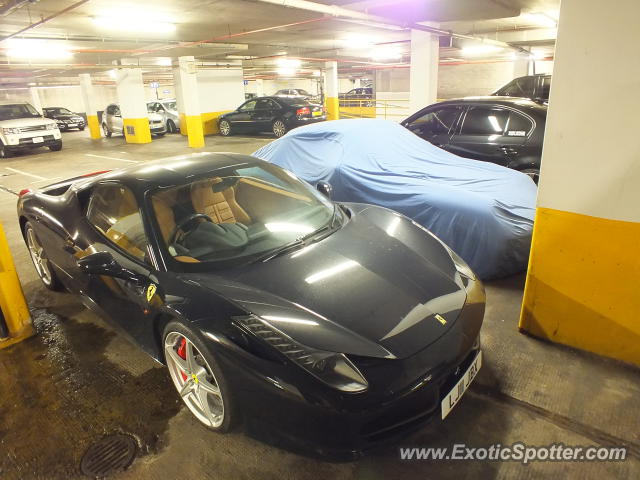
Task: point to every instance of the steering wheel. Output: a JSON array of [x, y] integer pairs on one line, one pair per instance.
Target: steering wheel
[[182, 223]]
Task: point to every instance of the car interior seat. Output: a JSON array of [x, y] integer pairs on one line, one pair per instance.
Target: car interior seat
[[221, 206]]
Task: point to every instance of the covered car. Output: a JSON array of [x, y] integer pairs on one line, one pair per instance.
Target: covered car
[[484, 212]]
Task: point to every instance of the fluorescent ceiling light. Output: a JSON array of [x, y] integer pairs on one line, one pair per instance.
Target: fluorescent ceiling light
[[386, 52], [37, 49], [164, 61], [134, 24], [541, 19], [472, 50], [287, 66]]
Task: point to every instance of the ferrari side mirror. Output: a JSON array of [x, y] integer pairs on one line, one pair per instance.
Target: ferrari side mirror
[[324, 188], [103, 263]]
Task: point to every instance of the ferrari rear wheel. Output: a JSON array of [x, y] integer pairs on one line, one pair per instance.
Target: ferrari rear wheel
[[40, 260], [198, 378]]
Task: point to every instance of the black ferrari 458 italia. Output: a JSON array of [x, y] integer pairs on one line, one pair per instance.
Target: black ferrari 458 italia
[[333, 326]]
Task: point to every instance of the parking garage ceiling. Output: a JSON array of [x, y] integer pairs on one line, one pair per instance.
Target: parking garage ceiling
[[48, 42]]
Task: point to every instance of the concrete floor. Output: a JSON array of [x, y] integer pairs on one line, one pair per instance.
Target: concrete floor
[[78, 379]]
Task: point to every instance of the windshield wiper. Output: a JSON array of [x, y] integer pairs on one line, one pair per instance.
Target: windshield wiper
[[300, 241]]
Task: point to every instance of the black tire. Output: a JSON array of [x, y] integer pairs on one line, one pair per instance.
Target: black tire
[[230, 413], [56, 147], [534, 174], [80, 129], [159, 134], [52, 282], [279, 128], [4, 153], [106, 131], [225, 128], [171, 127]]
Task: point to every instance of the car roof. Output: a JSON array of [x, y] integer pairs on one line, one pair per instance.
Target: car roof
[[172, 171], [17, 102], [518, 102]]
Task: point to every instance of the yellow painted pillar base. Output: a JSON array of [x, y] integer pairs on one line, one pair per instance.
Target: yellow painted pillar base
[[210, 122], [136, 130], [195, 135], [582, 284], [12, 301], [94, 126], [183, 124], [332, 104]]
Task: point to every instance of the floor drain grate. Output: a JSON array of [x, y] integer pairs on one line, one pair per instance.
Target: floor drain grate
[[110, 455]]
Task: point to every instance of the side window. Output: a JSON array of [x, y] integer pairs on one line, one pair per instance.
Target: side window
[[485, 121], [111, 109], [263, 104], [437, 121], [248, 106], [519, 125], [113, 211], [546, 88], [116, 110], [272, 105]]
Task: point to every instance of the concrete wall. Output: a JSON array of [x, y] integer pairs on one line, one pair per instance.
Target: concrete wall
[[473, 78], [270, 87], [150, 93], [68, 97], [582, 283]]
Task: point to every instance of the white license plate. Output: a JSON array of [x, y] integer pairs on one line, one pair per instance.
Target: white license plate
[[454, 396], [71, 125], [37, 139], [316, 114]]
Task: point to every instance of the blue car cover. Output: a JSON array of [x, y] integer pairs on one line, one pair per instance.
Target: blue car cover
[[484, 212]]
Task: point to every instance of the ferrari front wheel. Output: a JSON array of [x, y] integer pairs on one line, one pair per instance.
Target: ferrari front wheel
[[40, 260], [197, 377]]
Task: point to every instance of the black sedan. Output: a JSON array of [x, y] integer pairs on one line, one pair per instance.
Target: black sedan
[[65, 118], [503, 130], [331, 326], [271, 114]]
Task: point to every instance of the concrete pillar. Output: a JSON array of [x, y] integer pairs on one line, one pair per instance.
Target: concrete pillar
[[259, 87], [220, 90], [357, 83], [90, 108], [133, 105], [331, 100], [179, 102], [520, 67], [35, 99], [190, 119], [582, 281], [423, 81]]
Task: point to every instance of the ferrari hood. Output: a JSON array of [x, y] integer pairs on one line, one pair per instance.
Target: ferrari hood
[[380, 286]]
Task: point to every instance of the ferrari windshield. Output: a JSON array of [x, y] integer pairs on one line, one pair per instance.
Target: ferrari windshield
[[239, 214], [17, 110]]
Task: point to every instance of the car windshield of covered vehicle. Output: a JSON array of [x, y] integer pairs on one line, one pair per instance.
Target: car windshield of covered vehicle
[[58, 111], [17, 110], [240, 214]]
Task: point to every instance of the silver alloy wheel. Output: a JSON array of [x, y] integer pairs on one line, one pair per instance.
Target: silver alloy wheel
[[194, 379], [39, 257], [279, 129], [225, 128]]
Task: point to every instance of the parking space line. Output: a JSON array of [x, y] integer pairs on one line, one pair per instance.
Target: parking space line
[[8, 190], [15, 170], [111, 158]]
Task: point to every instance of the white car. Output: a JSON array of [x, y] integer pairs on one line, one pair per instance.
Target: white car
[[23, 128], [169, 111], [112, 122]]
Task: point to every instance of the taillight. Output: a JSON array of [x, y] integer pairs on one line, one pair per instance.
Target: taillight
[[24, 191], [303, 111]]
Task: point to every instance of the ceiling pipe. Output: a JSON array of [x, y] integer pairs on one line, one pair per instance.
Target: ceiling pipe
[[44, 20], [13, 5], [346, 14]]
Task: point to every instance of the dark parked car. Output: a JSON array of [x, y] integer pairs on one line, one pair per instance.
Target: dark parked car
[[357, 97], [308, 319], [535, 87], [271, 114], [65, 118], [503, 130]]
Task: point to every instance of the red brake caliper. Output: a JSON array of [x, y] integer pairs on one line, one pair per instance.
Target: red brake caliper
[[182, 353]]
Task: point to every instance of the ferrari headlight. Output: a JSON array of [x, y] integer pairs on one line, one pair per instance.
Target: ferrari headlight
[[334, 369], [461, 265], [10, 131]]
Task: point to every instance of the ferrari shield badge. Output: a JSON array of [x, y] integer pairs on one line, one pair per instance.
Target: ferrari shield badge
[[441, 319], [151, 291]]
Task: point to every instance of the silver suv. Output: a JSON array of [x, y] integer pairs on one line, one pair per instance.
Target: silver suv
[[112, 122]]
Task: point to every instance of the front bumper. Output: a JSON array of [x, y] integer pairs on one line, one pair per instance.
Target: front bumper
[[67, 126], [157, 129], [17, 143], [291, 410]]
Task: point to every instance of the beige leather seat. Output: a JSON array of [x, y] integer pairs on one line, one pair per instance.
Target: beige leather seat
[[222, 207], [166, 219]]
